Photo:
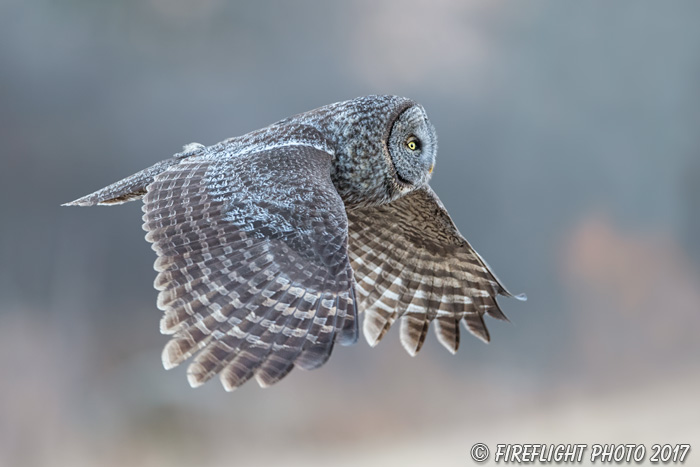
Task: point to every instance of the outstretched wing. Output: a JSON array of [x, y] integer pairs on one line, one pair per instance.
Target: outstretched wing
[[411, 262], [252, 261]]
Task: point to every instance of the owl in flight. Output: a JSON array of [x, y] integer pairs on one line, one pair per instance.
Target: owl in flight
[[270, 244]]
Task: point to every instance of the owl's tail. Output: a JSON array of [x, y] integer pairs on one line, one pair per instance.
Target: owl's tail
[[134, 187], [128, 189]]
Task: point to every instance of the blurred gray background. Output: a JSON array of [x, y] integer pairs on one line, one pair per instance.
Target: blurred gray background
[[569, 156]]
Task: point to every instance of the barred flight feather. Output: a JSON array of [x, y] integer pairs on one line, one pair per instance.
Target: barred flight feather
[[251, 298], [412, 248]]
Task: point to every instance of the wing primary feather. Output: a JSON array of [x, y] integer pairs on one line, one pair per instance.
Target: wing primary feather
[[474, 322], [190, 307], [383, 301], [496, 312], [315, 354], [217, 355], [447, 332], [281, 361], [188, 341], [415, 321], [447, 319], [250, 355], [182, 270], [348, 326]]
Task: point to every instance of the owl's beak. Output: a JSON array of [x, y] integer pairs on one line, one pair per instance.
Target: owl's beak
[[432, 166]]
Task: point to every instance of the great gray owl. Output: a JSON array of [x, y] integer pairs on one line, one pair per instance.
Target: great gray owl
[[270, 244]]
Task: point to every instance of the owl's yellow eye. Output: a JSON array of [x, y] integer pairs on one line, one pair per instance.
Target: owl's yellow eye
[[413, 143]]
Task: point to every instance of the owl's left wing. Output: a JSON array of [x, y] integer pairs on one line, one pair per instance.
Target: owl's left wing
[[411, 262], [252, 261]]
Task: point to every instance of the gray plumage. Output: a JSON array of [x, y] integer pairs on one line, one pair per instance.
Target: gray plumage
[[269, 244]]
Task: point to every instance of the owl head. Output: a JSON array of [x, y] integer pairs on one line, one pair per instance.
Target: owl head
[[385, 146], [412, 147]]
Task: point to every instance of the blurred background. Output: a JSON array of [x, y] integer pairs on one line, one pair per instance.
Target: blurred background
[[569, 157]]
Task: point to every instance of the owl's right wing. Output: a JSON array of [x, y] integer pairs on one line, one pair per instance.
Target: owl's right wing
[[253, 271], [411, 262]]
